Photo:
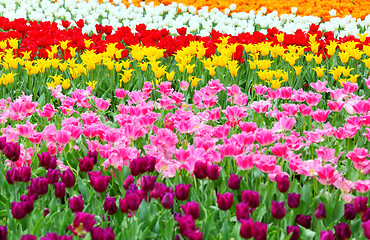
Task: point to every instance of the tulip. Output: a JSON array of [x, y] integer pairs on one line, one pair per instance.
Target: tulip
[[130, 202], [147, 183], [294, 200], [12, 151], [242, 211], [83, 222], [251, 197], [360, 204], [247, 229], [159, 190], [366, 229], [182, 191], [99, 182], [3, 232], [342, 231], [192, 209], [213, 172], [167, 200], [102, 233], [283, 183], [225, 201], [200, 169], [186, 224], [295, 232], [349, 211], [28, 237], [53, 176], [278, 210], [110, 205], [46, 212], [68, 178], [60, 190], [94, 155], [2, 143], [260, 231], [39, 186], [86, 164], [28, 202], [303, 220], [18, 210], [76, 204], [320, 212], [47, 161], [327, 235], [234, 182], [128, 181], [366, 215]]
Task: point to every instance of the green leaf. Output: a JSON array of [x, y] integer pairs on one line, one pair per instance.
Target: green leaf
[[83, 188]]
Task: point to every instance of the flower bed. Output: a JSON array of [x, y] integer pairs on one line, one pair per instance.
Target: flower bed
[[141, 134]]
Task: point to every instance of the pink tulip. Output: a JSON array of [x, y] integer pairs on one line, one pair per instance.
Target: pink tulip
[[335, 106], [265, 137], [260, 90], [349, 87], [327, 175], [48, 111], [101, 105], [361, 107], [313, 98], [320, 115], [244, 162], [62, 137], [305, 110], [319, 86], [261, 106], [367, 81], [362, 186], [290, 109], [358, 155], [121, 93], [285, 92]]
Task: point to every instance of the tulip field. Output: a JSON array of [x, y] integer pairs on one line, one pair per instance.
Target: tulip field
[[184, 120]]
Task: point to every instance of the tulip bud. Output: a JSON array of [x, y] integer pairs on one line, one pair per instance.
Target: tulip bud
[[10, 176], [39, 186], [283, 183], [327, 235], [110, 205], [147, 183], [349, 211], [68, 178], [360, 204], [294, 230], [130, 202], [12, 151], [3, 232], [247, 228], [182, 191], [2, 143], [251, 197], [18, 210], [60, 190], [76, 204], [320, 212], [86, 164], [167, 200], [200, 169], [192, 209], [53, 176], [225, 201], [234, 182], [128, 181], [98, 181], [278, 210], [342, 231], [242, 211], [46, 212], [22, 174], [260, 231], [366, 215], [213, 172], [303, 220], [94, 155], [28, 237], [102, 233], [366, 229], [294, 200]]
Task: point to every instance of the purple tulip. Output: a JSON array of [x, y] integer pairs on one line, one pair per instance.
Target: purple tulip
[[260, 231], [47, 161], [110, 205], [200, 169], [53, 176], [12, 151], [141, 165], [242, 211], [247, 228], [320, 212], [182, 191], [366, 229], [98, 181], [18, 210], [60, 190], [283, 183], [128, 181], [28, 237], [82, 222], [147, 183], [342, 231], [130, 202], [2, 143], [192, 209], [76, 204], [327, 235], [252, 198], [213, 172], [366, 215], [234, 182], [3, 232], [86, 164], [225, 201], [360, 204], [278, 210], [94, 155], [294, 230], [39, 186], [303, 220], [349, 211], [102, 233], [68, 178], [167, 200], [294, 200]]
